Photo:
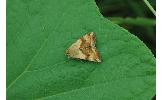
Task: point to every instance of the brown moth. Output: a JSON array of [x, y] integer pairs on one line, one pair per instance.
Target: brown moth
[[84, 48]]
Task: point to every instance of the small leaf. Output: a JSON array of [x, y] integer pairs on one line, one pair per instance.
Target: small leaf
[[39, 32]]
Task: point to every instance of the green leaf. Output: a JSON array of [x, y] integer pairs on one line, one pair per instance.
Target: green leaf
[[40, 31]]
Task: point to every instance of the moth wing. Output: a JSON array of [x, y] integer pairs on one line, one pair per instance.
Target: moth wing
[[94, 56], [74, 52]]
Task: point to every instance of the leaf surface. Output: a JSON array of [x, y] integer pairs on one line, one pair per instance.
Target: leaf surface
[[40, 31]]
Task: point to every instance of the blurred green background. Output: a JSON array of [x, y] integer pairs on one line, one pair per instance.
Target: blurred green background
[[133, 15]]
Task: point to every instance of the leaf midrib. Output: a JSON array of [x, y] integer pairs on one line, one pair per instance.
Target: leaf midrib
[[29, 64], [38, 51]]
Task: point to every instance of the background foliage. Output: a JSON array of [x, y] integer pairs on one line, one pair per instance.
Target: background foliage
[[134, 16]]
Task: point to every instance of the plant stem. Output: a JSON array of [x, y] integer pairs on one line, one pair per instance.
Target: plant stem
[[150, 7]]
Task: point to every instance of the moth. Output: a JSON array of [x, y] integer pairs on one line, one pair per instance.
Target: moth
[[84, 48]]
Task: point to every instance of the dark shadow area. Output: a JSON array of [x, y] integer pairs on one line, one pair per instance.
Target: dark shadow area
[[154, 98]]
